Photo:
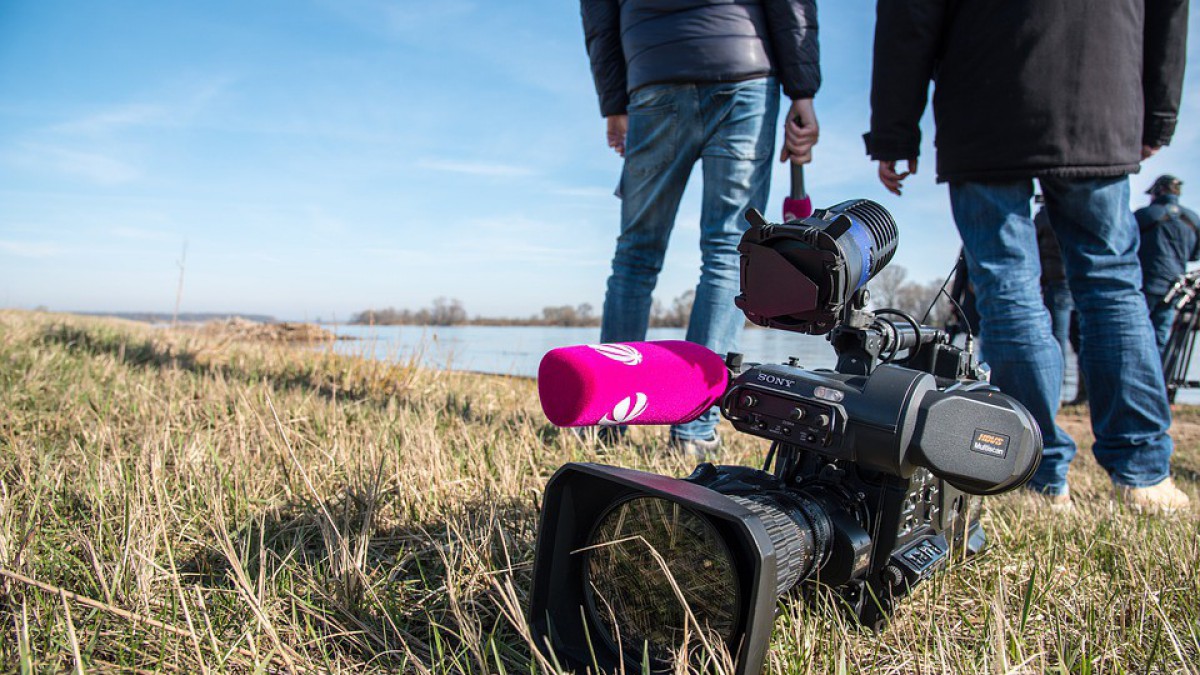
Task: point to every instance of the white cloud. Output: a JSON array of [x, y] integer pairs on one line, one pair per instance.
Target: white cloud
[[177, 107], [30, 249], [92, 166], [590, 192], [495, 169], [139, 234], [105, 121], [402, 19]]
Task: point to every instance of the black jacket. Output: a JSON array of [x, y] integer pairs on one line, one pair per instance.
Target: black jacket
[[632, 43], [1028, 88], [1170, 240]]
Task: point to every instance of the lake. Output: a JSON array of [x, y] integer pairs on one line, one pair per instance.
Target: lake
[[517, 350]]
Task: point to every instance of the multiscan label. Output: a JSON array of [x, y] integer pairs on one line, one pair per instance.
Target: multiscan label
[[990, 443]]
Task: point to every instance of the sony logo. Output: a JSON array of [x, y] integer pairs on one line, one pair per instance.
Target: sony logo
[[775, 380]]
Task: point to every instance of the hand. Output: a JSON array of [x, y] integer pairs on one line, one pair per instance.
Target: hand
[[618, 125], [1148, 151], [800, 132], [894, 181]]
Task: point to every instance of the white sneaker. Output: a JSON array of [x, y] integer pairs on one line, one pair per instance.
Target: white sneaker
[[1162, 499], [1055, 503]]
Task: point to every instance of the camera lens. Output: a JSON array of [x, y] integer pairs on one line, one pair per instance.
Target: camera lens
[[657, 575], [800, 532]]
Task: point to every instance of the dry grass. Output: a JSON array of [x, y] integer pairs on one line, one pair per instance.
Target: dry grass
[[170, 502]]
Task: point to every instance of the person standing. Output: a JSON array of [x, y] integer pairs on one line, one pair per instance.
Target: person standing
[[1056, 294], [687, 81], [1075, 98], [1170, 240]]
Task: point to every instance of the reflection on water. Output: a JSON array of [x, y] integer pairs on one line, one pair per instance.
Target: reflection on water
[[517, 350]]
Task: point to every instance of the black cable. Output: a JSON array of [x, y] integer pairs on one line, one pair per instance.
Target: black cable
[[941, 292], [896, 346], [770, 456]]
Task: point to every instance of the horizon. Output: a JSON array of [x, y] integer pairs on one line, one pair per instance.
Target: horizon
[[323, 158]]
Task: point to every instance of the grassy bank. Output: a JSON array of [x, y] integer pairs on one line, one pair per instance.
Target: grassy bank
[[178, 502]]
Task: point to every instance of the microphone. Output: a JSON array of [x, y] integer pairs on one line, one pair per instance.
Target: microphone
[[660, 382], [797, 205]]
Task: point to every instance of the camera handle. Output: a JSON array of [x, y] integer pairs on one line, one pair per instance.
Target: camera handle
[[863, 339]]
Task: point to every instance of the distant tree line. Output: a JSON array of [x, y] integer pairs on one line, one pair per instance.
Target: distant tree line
[[893, 289], [444, 312], [450, 312]]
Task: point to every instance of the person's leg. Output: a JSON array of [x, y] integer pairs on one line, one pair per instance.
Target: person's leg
[[1002, 255], [1080, 381], [661, 147], [1120, 362], [1162, 317], [1057, 298], [740, 120]]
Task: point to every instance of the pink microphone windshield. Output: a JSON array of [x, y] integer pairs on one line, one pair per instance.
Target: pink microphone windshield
[[664, 382]]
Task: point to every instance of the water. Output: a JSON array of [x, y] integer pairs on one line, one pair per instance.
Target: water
[[517, 350]]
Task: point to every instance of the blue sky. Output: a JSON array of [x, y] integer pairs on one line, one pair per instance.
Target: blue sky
[[324, 156]]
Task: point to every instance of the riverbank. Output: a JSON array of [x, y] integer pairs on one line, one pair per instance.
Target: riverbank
[[172, 501]]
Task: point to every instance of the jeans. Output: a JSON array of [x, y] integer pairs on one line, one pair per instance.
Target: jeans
[[1057, 298], [1099, 240], [1162, 317], [730, 129]]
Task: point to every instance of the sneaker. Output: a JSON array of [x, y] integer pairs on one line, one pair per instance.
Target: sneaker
[[1163, 498], [1060, 503], [699, 449]]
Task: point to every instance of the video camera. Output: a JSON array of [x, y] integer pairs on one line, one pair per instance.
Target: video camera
[[871, 483]]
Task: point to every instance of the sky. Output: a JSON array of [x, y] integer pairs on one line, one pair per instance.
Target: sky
[[321, 157]]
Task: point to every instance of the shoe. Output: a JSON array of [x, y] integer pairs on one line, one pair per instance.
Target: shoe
[[1161, 499], [1060, 503], [699, 449]]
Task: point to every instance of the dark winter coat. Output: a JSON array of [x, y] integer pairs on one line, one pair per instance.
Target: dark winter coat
[[1027, 88], [1170, 239], [632, 43]]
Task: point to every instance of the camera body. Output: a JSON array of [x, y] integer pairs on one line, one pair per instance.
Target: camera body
[[868, 444], [871, 484]]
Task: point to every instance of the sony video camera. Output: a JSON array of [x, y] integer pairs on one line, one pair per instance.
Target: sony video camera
[[871, 483]]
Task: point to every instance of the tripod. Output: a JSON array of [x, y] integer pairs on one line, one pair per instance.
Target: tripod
[[1181, 344]]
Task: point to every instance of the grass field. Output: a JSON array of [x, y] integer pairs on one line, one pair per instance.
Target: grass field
[[178, 503]]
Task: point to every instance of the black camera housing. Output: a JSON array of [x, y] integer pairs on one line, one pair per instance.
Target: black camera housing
[[873, 478]]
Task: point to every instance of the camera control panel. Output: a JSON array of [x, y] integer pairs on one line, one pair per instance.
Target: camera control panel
[[784, 418]]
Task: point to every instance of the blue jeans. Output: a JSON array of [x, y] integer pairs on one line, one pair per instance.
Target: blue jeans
[[1162, 317], [1099, 240], [730, 129], [1057, 298]]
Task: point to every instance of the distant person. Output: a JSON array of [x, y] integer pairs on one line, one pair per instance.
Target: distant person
[[1056, 294], [1170, 240], [1075, 96], [687, 81]]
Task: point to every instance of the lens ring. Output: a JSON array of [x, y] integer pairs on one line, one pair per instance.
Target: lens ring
[[630, 598]]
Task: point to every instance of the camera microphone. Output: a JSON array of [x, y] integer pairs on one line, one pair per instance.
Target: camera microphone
[[660, 382]]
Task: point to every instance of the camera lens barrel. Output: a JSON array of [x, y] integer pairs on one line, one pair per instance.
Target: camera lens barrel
[[800, 531]]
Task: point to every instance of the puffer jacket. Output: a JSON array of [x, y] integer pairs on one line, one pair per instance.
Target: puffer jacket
[[1028, 88], [633, 43]]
